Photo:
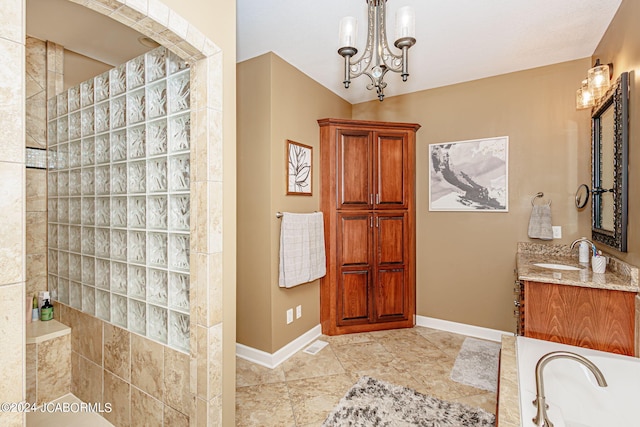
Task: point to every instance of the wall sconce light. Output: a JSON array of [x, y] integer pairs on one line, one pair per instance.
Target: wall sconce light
[[584, 97], [595, 86], [377, 58]]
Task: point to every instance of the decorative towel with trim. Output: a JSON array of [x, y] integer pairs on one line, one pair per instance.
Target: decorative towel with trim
[[540, 222], [302, 253]]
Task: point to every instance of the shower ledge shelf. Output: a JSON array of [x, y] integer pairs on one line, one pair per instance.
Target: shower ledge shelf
[[40, 331]]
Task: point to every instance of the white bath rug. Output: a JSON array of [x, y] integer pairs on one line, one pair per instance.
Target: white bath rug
[[477, 364]]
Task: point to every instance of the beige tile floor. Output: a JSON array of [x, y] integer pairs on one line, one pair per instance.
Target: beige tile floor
[[303, 390]]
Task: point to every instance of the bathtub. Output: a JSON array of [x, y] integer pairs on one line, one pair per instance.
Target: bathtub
[[572, 393]]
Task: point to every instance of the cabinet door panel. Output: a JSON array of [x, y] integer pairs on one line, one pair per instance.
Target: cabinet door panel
[[391, 171], [353, 296], [594, 318], [390, 239], [390, 294], [355, 238], [354, 170]]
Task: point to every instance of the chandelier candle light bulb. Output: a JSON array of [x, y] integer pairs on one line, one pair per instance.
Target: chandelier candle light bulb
[[348, 31], [405, 23]]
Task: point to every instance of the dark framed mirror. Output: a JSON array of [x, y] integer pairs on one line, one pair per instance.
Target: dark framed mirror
[[609, 160]]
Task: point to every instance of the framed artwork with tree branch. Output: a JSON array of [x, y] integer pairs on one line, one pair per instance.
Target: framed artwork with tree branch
[[299, 173]]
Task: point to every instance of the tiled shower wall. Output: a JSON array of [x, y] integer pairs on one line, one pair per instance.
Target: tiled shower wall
[[151, 393], [36, 179], [118, 197], [12, 206]]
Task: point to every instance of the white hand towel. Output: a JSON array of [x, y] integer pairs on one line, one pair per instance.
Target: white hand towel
[[540, 222], [302, 252]]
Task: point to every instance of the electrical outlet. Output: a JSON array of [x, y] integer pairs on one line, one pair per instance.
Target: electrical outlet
[[557, 231], [298, 311], [289, 316]]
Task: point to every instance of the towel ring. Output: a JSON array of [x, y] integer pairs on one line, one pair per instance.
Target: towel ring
[[540, 194]]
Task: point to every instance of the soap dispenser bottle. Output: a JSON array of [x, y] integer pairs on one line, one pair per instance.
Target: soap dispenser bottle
[[34, 311], [584, 251], [46, 311]]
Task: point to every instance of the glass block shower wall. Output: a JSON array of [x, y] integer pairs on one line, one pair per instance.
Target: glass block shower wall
[[118, 197]]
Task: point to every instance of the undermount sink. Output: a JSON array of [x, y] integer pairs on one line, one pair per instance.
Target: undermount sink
[[556, 266]]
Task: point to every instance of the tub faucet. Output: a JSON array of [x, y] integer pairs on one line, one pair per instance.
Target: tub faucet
[[541, 419]]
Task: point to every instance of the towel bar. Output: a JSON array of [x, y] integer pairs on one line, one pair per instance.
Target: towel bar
[[279, 214]]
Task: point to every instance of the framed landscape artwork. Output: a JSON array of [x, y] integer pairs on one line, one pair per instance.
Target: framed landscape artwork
[[469, 175], [299, 173]]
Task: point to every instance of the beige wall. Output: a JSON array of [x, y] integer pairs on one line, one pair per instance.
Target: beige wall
[[253, 326], [465, 261], [621, 46], [276, 102]]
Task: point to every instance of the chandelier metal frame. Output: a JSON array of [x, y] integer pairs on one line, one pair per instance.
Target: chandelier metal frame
[[377, 59]]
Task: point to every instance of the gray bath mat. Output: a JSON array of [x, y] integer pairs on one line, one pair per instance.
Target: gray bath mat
[[372, 402], [477, 364]]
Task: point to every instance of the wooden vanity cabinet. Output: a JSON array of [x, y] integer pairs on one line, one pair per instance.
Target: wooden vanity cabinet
[[600, 319], [367, 197]]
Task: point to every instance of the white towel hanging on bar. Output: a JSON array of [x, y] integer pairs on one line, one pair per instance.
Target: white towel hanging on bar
[[302, 252]]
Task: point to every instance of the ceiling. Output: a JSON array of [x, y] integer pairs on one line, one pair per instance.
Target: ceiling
[[457, 40], [83, 31]]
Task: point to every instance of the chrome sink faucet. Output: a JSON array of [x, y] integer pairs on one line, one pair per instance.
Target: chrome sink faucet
[[541, 419], [584, 239]]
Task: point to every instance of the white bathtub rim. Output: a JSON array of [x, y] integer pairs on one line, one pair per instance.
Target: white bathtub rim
[[612, 366]]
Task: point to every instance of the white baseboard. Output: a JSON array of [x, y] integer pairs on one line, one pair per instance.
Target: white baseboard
[[273, 360], [461, 328]]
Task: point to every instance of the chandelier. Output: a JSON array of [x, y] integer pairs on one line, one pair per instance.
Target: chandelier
[[377, 59]]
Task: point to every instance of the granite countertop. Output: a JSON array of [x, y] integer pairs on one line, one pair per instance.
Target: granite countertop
[[619, 276]]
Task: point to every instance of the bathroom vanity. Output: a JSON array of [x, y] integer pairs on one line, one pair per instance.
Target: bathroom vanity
[[575, 307]]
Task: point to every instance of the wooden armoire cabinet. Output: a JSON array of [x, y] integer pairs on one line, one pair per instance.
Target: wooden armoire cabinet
[[368, 200]]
